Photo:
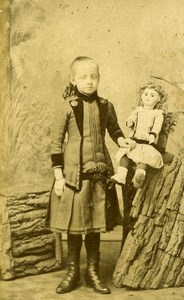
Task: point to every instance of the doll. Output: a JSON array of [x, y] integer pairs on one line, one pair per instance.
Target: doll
[[145, 124]]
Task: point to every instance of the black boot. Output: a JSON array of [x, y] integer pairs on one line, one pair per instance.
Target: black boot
[[92, 243], [72, 278]]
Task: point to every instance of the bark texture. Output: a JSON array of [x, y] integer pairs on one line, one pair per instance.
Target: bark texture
[[27, 246], [153, 254]]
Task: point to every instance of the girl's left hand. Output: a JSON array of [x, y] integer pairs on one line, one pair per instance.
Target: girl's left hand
[[132, 144], [123, 143]]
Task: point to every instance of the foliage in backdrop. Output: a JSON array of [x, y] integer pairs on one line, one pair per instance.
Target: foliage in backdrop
[[26, 118], [45, 37]]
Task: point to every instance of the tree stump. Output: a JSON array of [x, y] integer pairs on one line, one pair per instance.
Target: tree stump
[[153, 254], [27, 247]]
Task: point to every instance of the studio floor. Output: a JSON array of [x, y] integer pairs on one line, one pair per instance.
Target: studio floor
[[42, 287]]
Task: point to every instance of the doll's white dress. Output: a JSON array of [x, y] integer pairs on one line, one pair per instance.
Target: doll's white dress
[[145, 122]]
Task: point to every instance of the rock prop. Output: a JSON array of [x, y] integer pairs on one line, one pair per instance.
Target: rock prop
[[28, 248]]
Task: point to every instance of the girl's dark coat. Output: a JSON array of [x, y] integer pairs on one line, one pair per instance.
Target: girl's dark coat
[[69, 121]]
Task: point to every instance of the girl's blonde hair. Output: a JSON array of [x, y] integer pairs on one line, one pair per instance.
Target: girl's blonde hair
[[163, 96], [82, 59], [71, 89]]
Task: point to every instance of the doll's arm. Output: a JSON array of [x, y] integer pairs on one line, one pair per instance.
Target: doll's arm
[[132, 119], [157, 126]]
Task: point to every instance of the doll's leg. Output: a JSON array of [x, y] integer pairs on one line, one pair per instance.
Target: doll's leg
[[140, 175], [122, 170]]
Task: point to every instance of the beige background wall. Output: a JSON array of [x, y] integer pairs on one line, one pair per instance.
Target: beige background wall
[[130, 39]]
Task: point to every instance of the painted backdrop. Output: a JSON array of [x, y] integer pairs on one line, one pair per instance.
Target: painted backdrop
[[131, 40]]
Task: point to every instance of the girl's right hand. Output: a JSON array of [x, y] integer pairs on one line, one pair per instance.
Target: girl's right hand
[[59, 186]]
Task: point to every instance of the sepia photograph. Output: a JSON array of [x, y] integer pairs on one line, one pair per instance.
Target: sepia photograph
[[92, 149]]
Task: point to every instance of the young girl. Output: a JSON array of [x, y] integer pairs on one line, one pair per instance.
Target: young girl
[[145, 124], [81, 202]]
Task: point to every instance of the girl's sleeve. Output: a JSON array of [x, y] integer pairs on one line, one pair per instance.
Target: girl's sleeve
[[112, 124], [158, 122], [58, 134]]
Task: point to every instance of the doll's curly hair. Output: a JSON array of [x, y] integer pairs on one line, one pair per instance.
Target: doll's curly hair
[[163, 96], [169, 118]]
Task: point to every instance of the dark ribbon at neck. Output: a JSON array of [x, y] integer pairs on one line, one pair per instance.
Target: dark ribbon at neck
[[87, 98]]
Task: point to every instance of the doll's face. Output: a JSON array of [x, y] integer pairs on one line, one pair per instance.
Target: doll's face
[[85, 76], [150, 98]]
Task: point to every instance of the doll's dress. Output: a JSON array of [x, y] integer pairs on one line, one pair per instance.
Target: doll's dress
[[146, 121]]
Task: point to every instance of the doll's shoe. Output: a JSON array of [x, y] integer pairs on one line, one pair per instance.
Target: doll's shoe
[[116, 178], [120, 176], [139, 178]]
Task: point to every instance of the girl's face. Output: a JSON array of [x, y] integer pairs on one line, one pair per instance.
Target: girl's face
[[150, 98], [86, 77]]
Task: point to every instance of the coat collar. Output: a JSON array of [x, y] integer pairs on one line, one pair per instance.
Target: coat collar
[[76, 103]]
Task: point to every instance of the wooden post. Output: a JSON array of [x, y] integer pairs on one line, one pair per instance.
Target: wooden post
[[153, 254]]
